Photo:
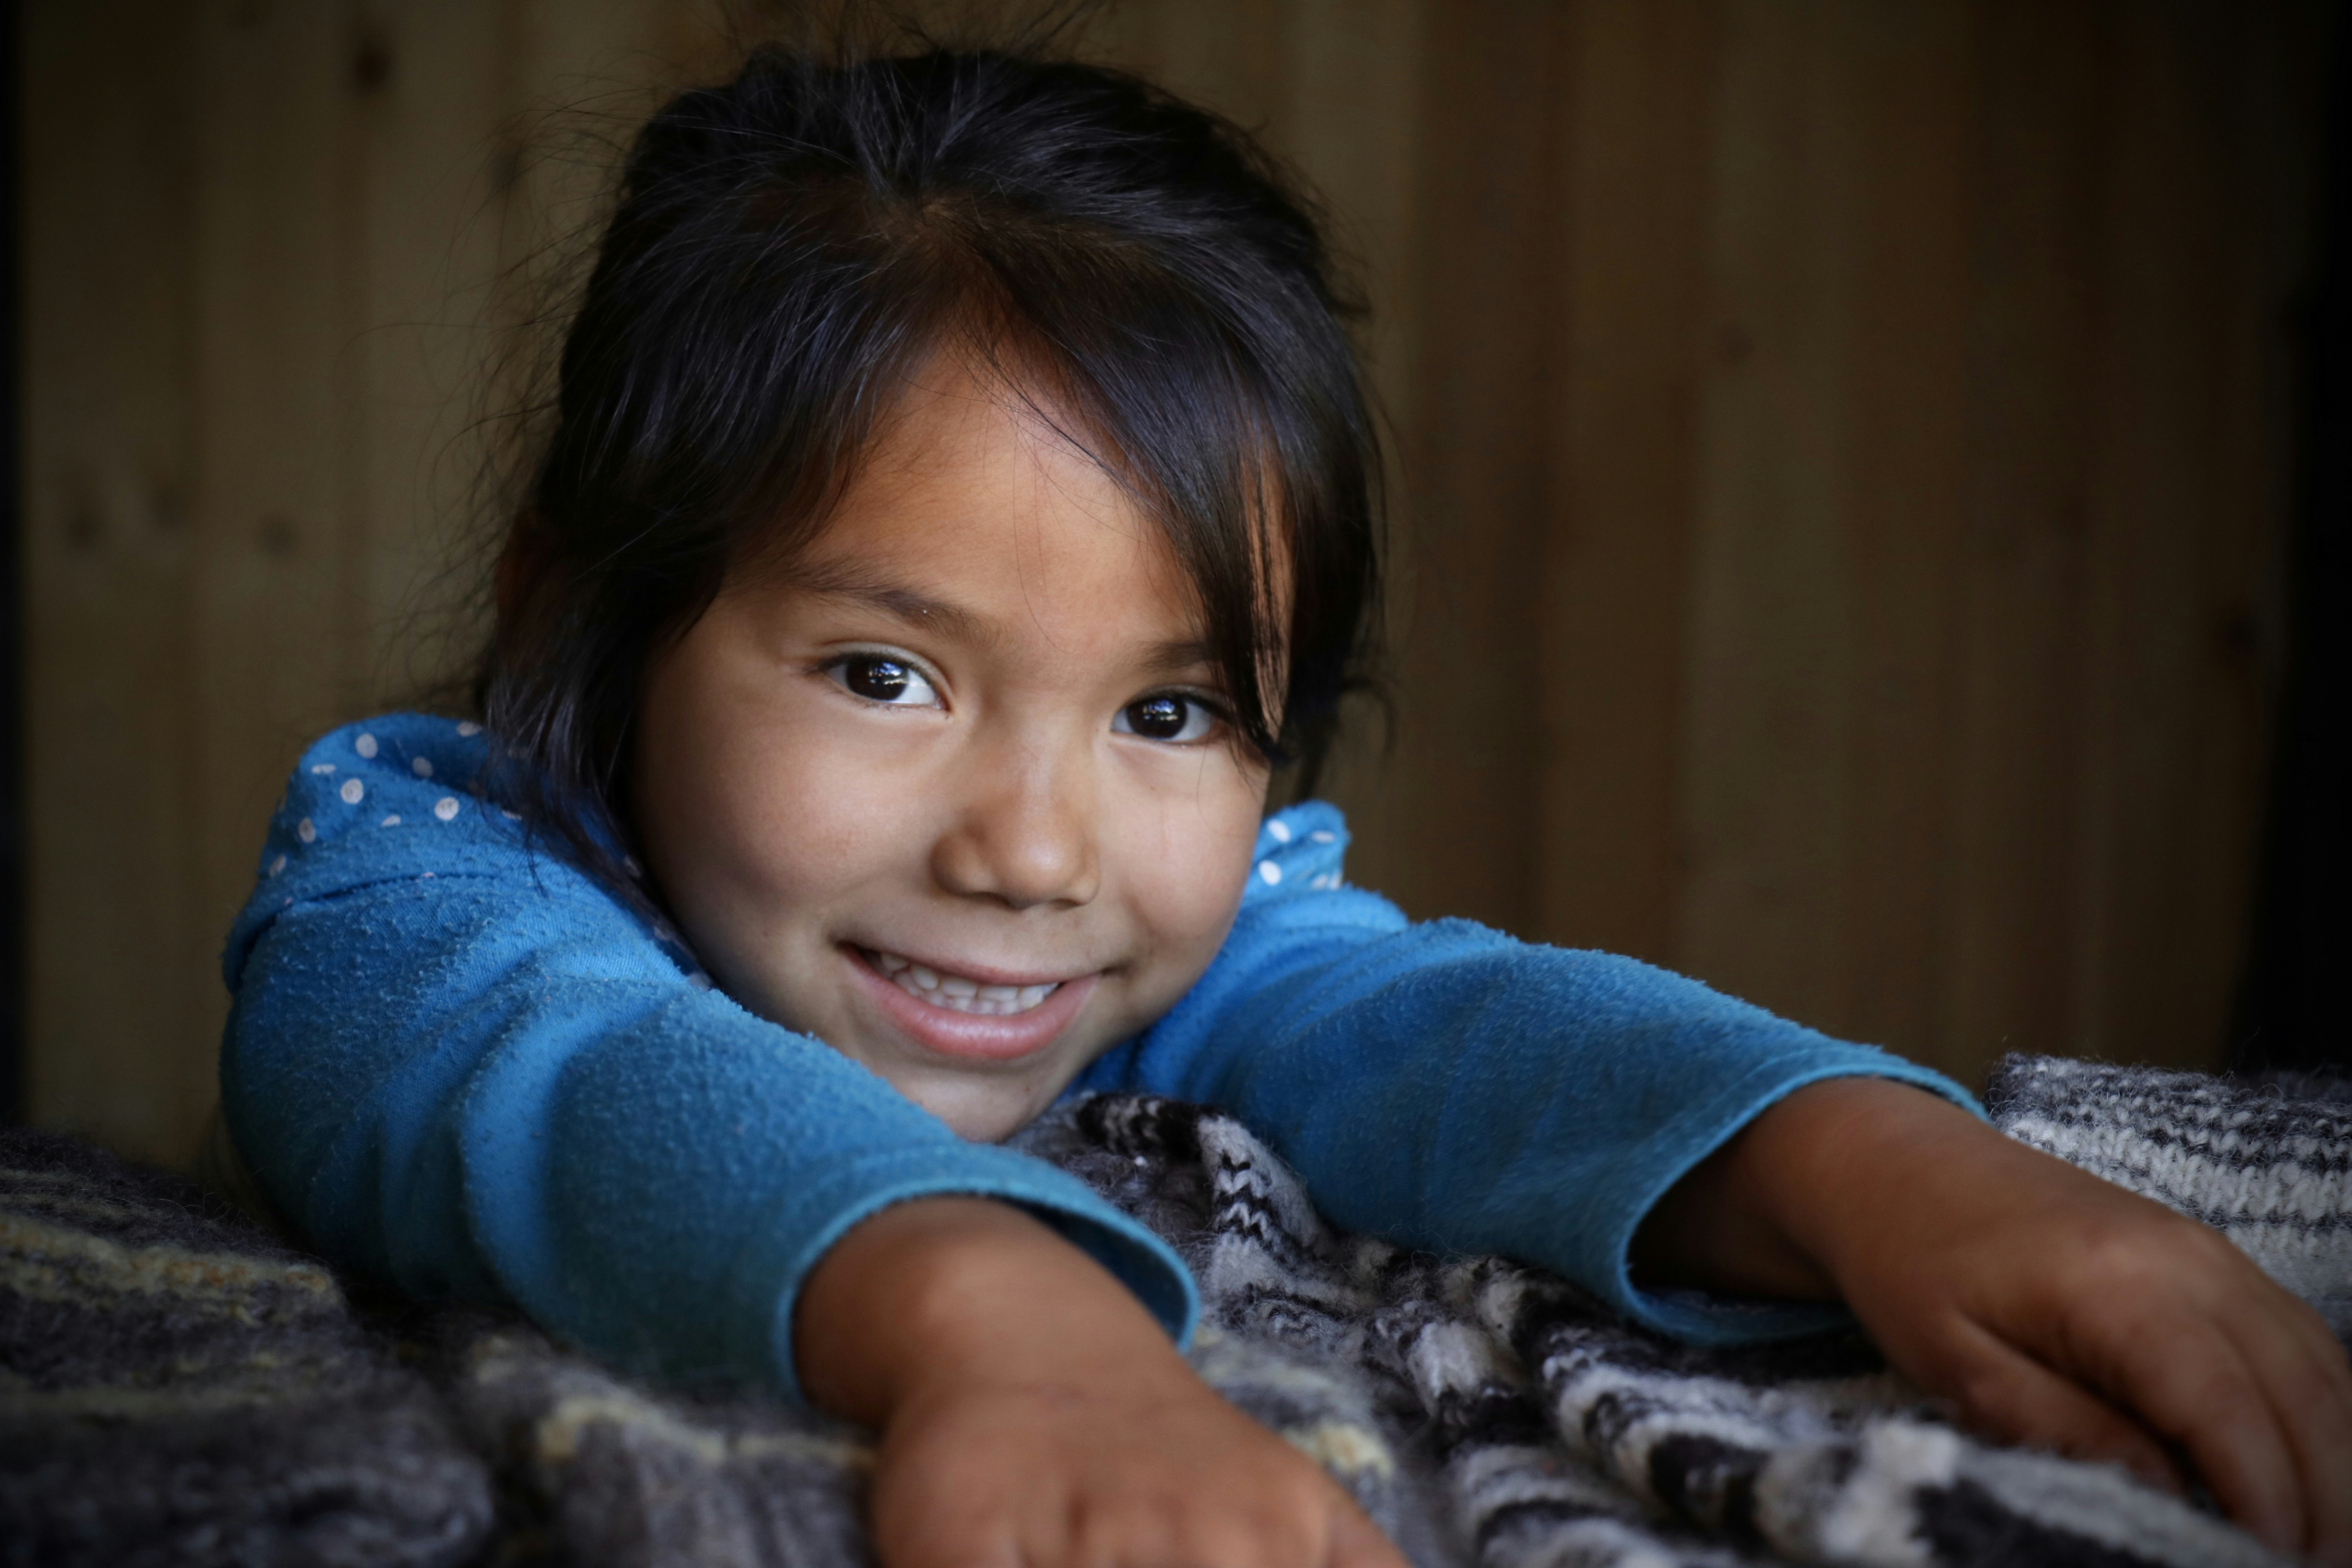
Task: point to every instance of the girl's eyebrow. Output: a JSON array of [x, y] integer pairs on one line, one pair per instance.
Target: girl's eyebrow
[[848, 581], [842, 580], [1179, 653]]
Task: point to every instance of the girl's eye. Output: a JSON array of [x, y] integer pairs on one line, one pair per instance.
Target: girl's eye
[[1166, 716], [878, 677]]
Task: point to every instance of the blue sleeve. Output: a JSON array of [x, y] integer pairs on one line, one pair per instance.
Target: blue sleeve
[[465, 1068], [1452, 1088]]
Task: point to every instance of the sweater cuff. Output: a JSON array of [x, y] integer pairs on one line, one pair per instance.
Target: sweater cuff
[[765, 1283], [1701, 1317]]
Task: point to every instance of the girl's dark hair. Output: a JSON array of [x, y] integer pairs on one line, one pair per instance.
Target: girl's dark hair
[[787, 247]]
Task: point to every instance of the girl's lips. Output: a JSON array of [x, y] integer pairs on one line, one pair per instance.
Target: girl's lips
[[1000, 1037]]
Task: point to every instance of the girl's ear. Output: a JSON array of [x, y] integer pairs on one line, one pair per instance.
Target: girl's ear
[[522, 562]]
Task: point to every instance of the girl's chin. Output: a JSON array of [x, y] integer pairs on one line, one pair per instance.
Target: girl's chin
[[970, 1038], [976, 1110]]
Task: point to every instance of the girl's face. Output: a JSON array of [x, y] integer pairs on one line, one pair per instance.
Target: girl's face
[[954, 793]]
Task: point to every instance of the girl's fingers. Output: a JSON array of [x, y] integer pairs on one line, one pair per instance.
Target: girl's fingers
[[909, 1535], [2017, 1399], [2189, 1380], [2303, 1373]]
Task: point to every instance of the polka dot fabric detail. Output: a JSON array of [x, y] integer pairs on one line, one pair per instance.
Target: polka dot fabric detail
[[398, 773], [1299, 850], [390, 800]]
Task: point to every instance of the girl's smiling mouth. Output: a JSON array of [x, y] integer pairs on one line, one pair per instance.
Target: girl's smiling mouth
[[959, 992], [998, 1018]]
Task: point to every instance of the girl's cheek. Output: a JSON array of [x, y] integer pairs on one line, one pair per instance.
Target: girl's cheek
[[770, 779], [716, 799], [1200, 860], [816, 814]]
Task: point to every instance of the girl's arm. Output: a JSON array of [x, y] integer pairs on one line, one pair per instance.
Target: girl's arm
[[464, 1068], [1445, 1085], [1449, 1087]]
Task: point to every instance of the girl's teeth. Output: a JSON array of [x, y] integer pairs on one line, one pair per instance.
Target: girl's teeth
[[956, 993]]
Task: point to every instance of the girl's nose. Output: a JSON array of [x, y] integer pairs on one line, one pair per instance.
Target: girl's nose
[[1024, 836]]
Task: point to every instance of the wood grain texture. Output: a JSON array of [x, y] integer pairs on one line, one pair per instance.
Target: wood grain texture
[[1832, 424], [2174, 723], [1612, 623], [431, 103], [1839, 451], [118, 939], [2014, 881], [276, 601], [1446, 830]]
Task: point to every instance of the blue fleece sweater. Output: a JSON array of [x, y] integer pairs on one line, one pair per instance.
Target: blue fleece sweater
[[463, 1065]]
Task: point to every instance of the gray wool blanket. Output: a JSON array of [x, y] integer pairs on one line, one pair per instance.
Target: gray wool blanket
[[176, 1388]]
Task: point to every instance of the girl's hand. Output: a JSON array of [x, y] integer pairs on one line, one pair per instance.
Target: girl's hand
[[1032, 1414], [2054, 1309]]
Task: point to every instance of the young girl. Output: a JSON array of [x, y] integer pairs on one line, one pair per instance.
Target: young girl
[[960, 499]]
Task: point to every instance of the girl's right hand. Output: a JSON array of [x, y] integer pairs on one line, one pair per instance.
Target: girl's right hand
[[1032, 1414], [2053, 1308]]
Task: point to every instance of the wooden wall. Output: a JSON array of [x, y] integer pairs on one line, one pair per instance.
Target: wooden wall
[[1842, 445]]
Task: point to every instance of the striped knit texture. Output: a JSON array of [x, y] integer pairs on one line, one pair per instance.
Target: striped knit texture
[[178, 1388], [1530, 1428], [2273, 1174], [1483, 1413]]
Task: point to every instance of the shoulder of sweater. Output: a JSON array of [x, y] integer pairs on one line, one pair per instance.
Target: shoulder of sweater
[[397, 799]]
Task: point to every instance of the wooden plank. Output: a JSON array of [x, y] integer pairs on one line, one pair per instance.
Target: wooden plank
[[1767, 721], [2180, 515], [431, 107], [1616, 564], [277, 613], [1832, 451], [583, 76], [1351, 131], [1354, 131], [1448, 832], [2274, 102], [119, 969], [2015, 743], [1913, 81]]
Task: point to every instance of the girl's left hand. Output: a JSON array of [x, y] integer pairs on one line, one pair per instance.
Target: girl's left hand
[[2053, 1308]]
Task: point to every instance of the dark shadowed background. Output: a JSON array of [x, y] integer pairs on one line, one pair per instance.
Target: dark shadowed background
[[1873, 475]]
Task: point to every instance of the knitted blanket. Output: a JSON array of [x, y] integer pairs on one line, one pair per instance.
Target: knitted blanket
[[176, 1389]]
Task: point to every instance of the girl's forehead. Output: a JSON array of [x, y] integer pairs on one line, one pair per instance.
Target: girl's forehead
[[998, 423], [961, 408], [974, 510], [971, 473]]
